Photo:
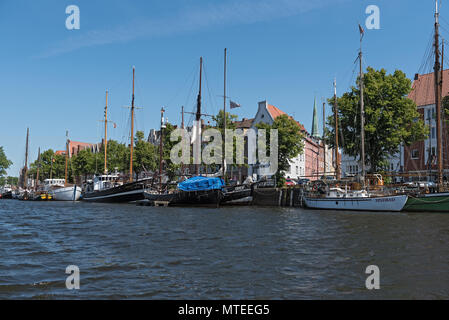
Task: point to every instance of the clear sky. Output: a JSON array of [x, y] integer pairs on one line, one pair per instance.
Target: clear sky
[[285, 51]]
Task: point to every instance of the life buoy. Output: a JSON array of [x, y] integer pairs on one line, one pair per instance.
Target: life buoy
[[315, 188]]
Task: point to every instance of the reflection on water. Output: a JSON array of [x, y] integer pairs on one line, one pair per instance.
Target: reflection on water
[[126, 251]]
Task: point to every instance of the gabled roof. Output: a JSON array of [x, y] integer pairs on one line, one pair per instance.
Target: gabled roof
[[276, 112], [244, 124], [423, 88]]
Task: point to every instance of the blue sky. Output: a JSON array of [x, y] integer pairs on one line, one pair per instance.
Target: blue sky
[[286, 51]]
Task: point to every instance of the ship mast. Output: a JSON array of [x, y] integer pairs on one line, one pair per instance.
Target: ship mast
[[132, 133], [182, 127], [224, 118], [438, 99], [106, 135], [198, 119], [66, 156], [362, 114], [324, 133], [25, 184], [161, 144], [38, 167], [337, 160]]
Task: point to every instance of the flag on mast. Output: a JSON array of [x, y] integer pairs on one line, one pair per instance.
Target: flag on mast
[[234, 105], [362, 31]]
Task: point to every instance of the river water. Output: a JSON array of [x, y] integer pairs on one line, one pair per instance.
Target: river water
[[131, 252]]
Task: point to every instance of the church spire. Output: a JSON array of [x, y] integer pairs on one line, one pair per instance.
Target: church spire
[[315, 131]]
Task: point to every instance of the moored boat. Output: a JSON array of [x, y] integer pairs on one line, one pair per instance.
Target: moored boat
[[338, 199], [107, 188], [432, 202]]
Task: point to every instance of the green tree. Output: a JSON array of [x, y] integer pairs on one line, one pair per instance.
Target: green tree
[[145, 156], [168, 166], [56, 171], [4, 163], [13, 181], [230, 124], [390, 118], [84, 163], [290, 143]]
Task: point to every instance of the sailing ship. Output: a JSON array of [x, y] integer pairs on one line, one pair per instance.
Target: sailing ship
[[108, 187], [6, 192], [60, 189], [22, 192], [358, 200], [199, 190], [439, 201]]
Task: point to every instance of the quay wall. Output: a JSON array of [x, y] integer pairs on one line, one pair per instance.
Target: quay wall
[[277, 197]]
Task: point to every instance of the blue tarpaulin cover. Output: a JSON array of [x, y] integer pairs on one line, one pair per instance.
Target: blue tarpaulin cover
[[201, 184]]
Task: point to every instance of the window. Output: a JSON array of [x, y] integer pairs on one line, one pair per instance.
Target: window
[[433, 151], [297, 170], [433, 132], [415, 154]]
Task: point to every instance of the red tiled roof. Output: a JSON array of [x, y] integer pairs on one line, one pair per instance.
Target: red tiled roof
[[244, 124], [423, 88], [60, 152], [276, 112], [80, 144]]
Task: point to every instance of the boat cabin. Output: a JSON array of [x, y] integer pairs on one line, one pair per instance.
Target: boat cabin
[[103, 182]]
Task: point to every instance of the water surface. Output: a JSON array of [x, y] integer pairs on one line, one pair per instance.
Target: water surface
[[131, 252]]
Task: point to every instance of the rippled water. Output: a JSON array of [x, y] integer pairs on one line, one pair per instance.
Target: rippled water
[[126, 251]]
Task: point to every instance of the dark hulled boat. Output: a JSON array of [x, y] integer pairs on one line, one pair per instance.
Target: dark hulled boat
[[107, 188], [104, 189]]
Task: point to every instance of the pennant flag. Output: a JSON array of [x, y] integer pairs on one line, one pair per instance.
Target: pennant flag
[[234, 105], [362, 32]]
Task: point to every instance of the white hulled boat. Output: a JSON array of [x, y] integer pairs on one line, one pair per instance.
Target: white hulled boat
[[60, 191], [361, 200], [339, 199]]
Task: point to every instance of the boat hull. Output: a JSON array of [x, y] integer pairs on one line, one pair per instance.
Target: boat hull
[[188, 198], [128, 192], [235, 194], [389, 203], [66, 194], [433, 202], [7, 195]]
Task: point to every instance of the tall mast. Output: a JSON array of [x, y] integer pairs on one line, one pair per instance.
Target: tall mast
[[160, 149], [106, 135], [438, 98], [337, 155], [362, 116], [198, 114], [224, 117], [38, 167], [25, 171], [132, 133], [324, 133], [182, 127], [66, 156]]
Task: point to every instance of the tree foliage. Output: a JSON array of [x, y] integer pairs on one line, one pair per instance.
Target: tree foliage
[[390, 118], [4, 163], [290, 143]]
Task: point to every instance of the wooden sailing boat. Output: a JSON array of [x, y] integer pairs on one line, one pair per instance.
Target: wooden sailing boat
[[198, 190], [359, 200], [107, 187], [65, 192], [23, 193], [437, 202]]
